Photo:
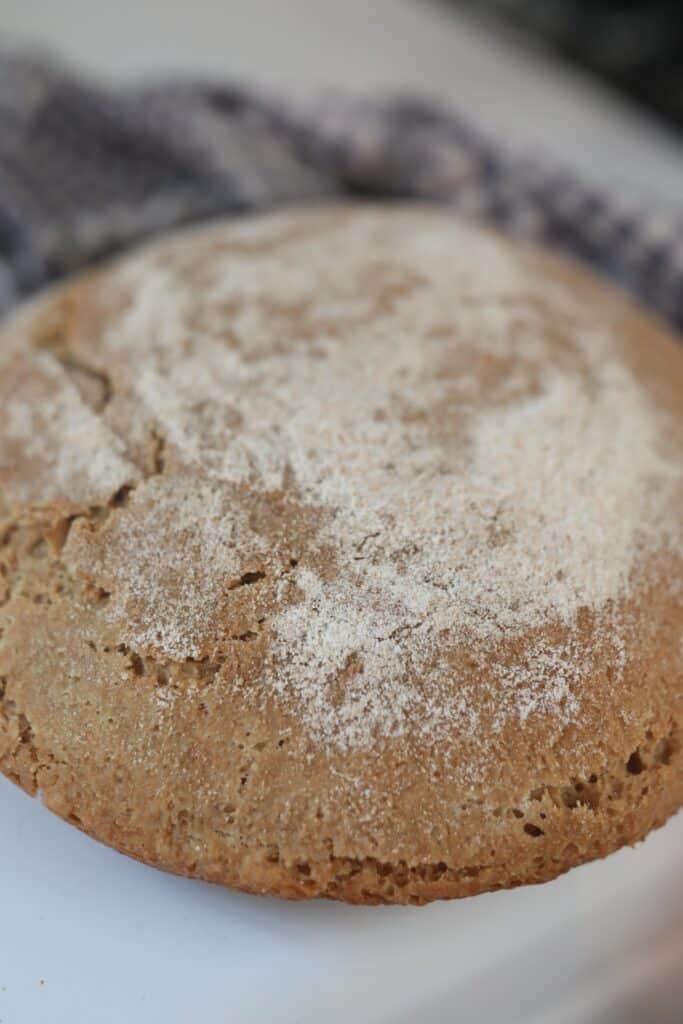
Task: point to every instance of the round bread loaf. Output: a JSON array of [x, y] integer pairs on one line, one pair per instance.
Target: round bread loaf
[[341, 555]]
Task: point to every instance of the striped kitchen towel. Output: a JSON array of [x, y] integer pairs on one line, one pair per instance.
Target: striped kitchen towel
[[87, 170]]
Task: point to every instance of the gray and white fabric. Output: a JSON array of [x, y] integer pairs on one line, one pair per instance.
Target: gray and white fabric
[[87, 170]]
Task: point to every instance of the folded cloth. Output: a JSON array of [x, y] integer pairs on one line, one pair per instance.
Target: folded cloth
[[87, 170]]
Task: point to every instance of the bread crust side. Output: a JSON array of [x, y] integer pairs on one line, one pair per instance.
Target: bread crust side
[[583, 822]]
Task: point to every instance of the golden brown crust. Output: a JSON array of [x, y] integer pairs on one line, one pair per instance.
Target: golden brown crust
[[582, 821], [166, 584]]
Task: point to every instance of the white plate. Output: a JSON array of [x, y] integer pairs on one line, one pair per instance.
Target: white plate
[[87, 935]]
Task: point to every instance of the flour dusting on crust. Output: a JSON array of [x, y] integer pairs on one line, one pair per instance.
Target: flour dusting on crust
[[55, 450], [484, 463]]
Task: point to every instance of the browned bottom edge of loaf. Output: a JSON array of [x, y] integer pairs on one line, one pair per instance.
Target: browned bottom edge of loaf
[[583, 821]]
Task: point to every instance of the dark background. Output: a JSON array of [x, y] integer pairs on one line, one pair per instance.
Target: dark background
[[637, 45]]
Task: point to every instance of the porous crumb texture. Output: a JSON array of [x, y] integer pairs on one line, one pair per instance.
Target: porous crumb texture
[[341, 554]]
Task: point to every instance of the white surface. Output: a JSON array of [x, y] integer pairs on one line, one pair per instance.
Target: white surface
[[523, 97], [113, 941], [116, 942]]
